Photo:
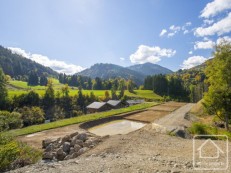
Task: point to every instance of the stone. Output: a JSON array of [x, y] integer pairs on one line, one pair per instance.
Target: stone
[[46, 142], [74, 134], [49, 148], [67, 157], [66, 147], [88, 143], [71, 150], [48, 156], [82, 150], [74, 155], [82, 137], [59, 151], [77, 147], [66, 138], [60, 155]]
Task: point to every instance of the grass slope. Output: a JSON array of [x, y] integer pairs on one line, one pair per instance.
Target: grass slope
[[79, 119], [23, 88]]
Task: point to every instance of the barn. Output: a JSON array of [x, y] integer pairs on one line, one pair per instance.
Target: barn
[[98, 107]]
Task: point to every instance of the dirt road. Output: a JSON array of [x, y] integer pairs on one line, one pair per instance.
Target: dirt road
[[175, 119]]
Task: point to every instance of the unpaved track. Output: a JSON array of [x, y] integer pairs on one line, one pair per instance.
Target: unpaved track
[[175, 119]]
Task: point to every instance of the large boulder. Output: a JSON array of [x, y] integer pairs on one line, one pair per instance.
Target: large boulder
[[48, 155], [60, 154], [82, 137], [74, 134], [47, 142], [66, 147], [66, 138], [77, 147]]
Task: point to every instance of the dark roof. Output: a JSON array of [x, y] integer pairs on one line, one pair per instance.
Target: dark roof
[[114, 102], [96, 105], [135, 101]]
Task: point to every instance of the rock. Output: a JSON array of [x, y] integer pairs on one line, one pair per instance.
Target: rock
[[88, 143], [74, 155], [75, 140], [66, 138], [71, 150], [82, 150], [77, 147], [48, 155], [82, 137], [46, 142], [60, 154], [67, 157], [182, 133], [74, 134], [66, 147], [49, 148]]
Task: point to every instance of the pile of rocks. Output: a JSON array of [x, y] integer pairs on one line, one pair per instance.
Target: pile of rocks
[[69, 147]]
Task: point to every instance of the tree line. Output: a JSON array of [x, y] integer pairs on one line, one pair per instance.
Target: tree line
[[171, 87], [31, 108]]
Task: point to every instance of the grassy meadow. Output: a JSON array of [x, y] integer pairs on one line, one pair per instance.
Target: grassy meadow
[[20, 87]]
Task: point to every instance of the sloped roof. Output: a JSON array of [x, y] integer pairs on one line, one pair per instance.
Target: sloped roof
[[96, 105], [114, 102], [135, 101]]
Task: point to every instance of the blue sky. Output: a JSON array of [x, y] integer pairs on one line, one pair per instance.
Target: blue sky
[[69, 35]]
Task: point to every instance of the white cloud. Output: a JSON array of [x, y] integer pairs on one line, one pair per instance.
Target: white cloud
[[171, 34], [150, 54], [215, 7], [208, 21], [188, 23], [225, 38], [221, 27], [204, 45], [122, 59], [175, 28], [163, 32], [186, 31], [59, 66], [190, 52], [193, 61]]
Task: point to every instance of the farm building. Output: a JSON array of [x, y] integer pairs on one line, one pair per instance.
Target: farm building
[[134, 102], [116, 104], [98, 107]]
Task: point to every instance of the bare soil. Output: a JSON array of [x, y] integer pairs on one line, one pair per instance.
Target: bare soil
[[144, 150], [147, 116], [164, 108]]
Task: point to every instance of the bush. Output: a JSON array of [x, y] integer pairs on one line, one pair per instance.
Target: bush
[[33, 115], [10, 120], [14, 154]]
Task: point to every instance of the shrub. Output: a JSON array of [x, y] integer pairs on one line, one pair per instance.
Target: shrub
[[14, 154], [33, 115], [10, 120]]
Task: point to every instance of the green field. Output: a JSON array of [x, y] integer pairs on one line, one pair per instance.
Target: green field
[[22, 88], [79, 119]]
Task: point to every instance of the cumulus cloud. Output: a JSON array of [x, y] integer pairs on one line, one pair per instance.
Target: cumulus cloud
[[163, 32], [59, 66], [215, 7], [122, 59], [193, 61], [150, 54], [204, 45], [221, 27], [225, 38]]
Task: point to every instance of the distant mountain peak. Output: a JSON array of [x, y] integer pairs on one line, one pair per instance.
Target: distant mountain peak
[[150, 69]]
